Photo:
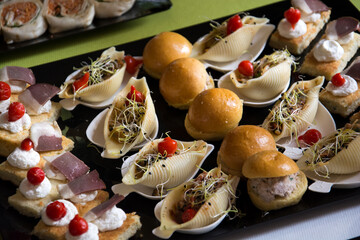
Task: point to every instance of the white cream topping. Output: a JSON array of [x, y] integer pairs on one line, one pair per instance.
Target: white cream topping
[[91, 234], [328, 50], [110, 220], [44, 109], [84, 197], [312, 17], [350, 86], [31, 191], [285, 29], [4, 105], [23, 159], [52, 172], [71, 211], [17, 126]]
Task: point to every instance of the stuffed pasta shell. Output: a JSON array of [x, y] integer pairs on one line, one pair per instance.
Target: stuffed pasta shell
[[130, 120], [22, 20], [295, 110], [198, 202], [112, 8], [98, 80]]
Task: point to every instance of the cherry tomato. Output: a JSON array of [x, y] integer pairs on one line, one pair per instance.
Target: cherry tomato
[[81, 82], [135, 95], [311, 136], [5, 91], [246, 68], [188, 214], [233, 24], [78, 226], [27, 144], [16, 111], [132, 64], [56, 210], [338, 80], [292, 15], [167, 147], [35, 175]]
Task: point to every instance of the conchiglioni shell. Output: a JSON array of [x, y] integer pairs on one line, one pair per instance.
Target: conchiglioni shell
[[209, 212], [307, 114], [233, 45], [115, 149], [269, 85], [345, 162], [177, 168], [100, 91]]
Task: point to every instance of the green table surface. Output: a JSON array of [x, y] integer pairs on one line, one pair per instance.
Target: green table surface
[[183, 13]]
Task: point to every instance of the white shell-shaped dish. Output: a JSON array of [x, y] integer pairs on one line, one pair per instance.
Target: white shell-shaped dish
[[143, 190]]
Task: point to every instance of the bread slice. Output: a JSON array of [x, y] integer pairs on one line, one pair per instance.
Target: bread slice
[[130, 226], [312, 67], [343, 106], [299, 44]]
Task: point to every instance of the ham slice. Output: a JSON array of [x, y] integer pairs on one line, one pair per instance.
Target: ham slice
[[341, 27], [85, 183], [46, 136], [68, 164], [99, 210], [354, 69], [14, 73], [310, 6]]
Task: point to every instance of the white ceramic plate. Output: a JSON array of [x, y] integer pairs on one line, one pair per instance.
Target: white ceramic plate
[[146, 191], [257, 46]]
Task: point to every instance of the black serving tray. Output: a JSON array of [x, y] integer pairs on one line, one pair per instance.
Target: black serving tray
[[140, 9], [15, 226]]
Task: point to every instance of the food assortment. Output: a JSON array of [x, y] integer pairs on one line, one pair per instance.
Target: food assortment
[[246, 155]]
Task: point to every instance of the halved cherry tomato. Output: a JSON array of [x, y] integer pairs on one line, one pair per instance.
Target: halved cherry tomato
[[233, 24], [311, 136], [292, 15], [78, 226], [81, 82], [246, 68], [56, 210], [16, 111], [5, 91], [338, 80], [27, 144], [135, 95], [132, 64], [167, 147], [188, 214], [35, 175]]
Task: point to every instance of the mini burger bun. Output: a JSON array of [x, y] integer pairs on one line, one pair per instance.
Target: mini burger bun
[[213, 113], [239, 144], [182, 80], [162, 49]]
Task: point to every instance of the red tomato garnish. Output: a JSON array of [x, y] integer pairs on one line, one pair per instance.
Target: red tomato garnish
[[246, 68], [81, 82], [56, 210], [338, 80], [5, 91], [78, 226], [135, 95], [16, 111], [233, 24], [292, 15], [35, 175], [27, 144], [310, 137], [167, 147], [188, 214], [132, 64]]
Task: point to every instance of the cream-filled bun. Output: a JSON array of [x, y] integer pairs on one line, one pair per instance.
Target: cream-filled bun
[[182, 80], [241, 143], [274, 180], [162, 49], [213, 113]]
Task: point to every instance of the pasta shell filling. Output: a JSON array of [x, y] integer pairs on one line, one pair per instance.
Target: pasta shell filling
[[17, 14], [61, 8]]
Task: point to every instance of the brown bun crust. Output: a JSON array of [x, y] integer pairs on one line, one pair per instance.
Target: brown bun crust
[[182, 80], [162, 49], [213, 113], [269, 164], [280, 202], [241, 143]]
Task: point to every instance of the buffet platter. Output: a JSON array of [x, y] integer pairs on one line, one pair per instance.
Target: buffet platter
[[75, 123]]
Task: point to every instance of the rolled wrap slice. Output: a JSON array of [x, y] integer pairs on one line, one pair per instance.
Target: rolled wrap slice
[[112, 8]]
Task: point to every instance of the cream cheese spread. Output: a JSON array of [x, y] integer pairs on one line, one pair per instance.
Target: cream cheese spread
[[17, 126], [71, 211], [84, 197], [328, 50], [91, 234], [4, 105], [350, 86], [285, 29], [23, 159], [110, 220], [31, 191]]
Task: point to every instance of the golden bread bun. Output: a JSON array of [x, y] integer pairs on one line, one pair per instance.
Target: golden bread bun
[[269, 164], [162, 49], [182, 80], [213, 113], [280, 202], [241, 143]]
